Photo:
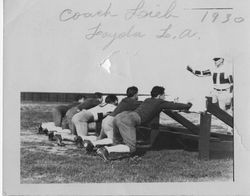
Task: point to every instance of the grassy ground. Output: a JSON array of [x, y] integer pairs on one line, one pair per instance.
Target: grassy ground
[[43, 161]]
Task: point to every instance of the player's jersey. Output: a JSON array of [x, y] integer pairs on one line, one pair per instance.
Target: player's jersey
[[221, 76], [102, 109]]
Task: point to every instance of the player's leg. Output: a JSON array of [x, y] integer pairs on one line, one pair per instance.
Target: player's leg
[[80, 120], [65, 124], [127, 128], [215, 95], [117, 138], [107, 130], [68, 137], [107, 126], [69, 115], [58, 113], [57, 116]]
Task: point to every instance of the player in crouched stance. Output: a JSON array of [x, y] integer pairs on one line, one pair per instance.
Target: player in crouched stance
[[86, 120], [129, 103], [125, 123]]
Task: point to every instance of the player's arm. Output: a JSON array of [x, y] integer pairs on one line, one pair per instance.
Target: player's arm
[[176, 106], [198, 72]]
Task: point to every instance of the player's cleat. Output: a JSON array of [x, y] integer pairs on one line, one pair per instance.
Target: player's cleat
[[40, 129], [58, 139], [45, 131], [51, 136], [79, 142], [103, 153], [88, 145]]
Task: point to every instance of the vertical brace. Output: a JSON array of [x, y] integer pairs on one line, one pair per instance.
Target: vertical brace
[[204, 139]]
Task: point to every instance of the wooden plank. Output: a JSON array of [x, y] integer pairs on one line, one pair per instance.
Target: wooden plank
[[219, 113], [186, 135], [224, 146], [204, 140], [174, 129], [222, 136], [183, 121]]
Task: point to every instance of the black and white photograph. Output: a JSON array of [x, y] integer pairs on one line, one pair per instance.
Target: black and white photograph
[[142, 97]]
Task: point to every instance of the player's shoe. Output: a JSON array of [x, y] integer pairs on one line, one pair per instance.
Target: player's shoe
[[58, 139], [45, 131], [40, 129], [51, 136], [103, 153], [79, 142], [89, 147]]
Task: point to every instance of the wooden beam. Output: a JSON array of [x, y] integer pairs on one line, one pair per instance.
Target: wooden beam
[[219, 113], [223, 146], [180, 132], [204, 140], [183, 121]]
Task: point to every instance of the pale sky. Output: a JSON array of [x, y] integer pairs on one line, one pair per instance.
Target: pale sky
[[45, 54]]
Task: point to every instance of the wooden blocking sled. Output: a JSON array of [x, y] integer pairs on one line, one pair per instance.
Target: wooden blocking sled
[[218, 112], [207, 141]]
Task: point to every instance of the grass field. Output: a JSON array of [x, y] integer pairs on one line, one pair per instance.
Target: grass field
[[43, 161]]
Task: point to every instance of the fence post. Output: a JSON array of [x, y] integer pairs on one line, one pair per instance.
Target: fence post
[[204, 139]]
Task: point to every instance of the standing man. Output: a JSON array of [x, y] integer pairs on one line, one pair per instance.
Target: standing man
[[222, 84], [125, 123]]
